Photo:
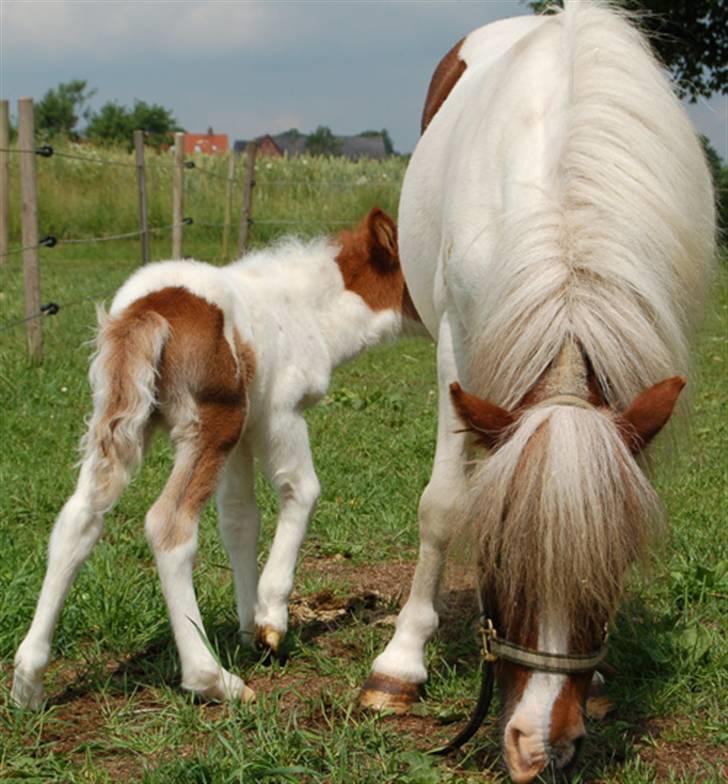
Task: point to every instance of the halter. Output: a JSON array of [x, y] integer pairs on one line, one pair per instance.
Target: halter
[[495, 648]]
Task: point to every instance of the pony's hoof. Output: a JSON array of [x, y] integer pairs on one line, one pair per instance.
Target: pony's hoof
[[268, 639], [27, 692], [382, 692]]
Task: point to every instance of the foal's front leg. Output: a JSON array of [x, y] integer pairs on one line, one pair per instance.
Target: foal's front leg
[[286, 457]]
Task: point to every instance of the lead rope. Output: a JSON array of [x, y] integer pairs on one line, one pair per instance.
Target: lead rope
[[488, 659], [479, 713]]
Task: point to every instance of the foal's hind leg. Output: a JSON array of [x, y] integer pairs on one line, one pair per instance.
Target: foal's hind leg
[[239, 522], [171, 528], [76, 530]]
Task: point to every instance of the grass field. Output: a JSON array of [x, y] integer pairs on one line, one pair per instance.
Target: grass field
[[116, 712]]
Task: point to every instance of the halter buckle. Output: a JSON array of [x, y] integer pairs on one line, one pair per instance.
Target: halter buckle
[[487, 635]]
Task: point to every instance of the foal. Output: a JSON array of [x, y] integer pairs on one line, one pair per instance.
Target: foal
[[226, 359]]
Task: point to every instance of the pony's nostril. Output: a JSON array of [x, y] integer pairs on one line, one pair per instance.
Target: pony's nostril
[[566, 753], [525, 755]]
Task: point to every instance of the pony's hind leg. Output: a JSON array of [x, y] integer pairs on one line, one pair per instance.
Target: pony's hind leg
[[239, 521], [171, 528]]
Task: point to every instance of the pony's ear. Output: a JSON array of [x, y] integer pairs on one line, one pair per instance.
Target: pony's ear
[[648, 414], [383, 237], [485, 419]]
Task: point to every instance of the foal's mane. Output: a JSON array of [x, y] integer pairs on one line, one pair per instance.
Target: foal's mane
[[615, 258]]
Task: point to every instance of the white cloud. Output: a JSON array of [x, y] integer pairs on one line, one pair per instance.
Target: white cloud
[[118, 28]]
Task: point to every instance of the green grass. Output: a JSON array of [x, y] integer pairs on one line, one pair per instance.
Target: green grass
[[116, 711]]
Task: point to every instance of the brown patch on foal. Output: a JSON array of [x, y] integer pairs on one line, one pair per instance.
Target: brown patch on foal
[[446, 76], [202, 400], [369, 264]]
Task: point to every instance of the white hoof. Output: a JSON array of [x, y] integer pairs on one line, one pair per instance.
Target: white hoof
[[219, 686]]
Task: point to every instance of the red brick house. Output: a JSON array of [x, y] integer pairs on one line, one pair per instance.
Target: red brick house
[[208, 143]]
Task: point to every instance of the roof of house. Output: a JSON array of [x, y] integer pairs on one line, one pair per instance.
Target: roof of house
[[293, 143]]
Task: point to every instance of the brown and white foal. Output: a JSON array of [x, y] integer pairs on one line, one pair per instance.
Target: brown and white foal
[[226, 360]]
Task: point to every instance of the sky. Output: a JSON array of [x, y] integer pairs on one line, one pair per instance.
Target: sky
[[249, 67]]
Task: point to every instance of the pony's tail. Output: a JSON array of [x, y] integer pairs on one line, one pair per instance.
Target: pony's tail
[[561, 510], [123, 377]]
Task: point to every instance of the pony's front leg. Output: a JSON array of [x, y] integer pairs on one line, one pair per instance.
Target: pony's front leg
[[239, 521], [399, 670], [286, 457]]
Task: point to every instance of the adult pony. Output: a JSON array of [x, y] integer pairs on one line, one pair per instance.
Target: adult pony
[[556, 232], [225, 359]]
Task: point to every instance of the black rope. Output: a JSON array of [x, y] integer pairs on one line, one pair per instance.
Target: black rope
[[479, 712]]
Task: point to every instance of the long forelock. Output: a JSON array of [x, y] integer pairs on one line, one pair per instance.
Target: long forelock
[[561, 511]]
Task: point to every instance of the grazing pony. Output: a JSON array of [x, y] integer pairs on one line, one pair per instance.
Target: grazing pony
[[556, 232], [226, 359]]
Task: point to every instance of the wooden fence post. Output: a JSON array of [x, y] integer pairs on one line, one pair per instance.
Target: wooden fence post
[[4, 180], [178, 195], [29, 201], [142, 193], [247, 207], [228, 207]]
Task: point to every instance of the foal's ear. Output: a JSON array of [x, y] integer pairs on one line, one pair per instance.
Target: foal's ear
[[485, 419], [383, 238], [649, 412]]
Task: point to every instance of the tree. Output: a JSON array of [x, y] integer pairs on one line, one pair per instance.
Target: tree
[[60, 109], [157, 123], [110, 125], [322, 142], [115, 124], [690, 36], [719, 172]]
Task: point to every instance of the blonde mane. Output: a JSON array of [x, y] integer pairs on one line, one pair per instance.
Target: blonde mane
[[614, 258]]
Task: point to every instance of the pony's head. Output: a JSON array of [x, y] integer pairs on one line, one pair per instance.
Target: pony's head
[[561, 509]]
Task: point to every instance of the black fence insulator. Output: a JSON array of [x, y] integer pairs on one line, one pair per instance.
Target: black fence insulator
[[50, 309], [45, 151], [187, 221], [189, 164], [49, 241]]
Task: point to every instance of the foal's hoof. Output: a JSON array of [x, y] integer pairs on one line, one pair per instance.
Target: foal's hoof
[[383, 692], [219, 686], [268, 639]]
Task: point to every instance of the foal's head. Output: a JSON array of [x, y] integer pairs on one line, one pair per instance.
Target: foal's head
[[561, 509], [369, 264]]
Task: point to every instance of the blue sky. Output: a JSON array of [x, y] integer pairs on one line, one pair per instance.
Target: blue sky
[[255, 66]]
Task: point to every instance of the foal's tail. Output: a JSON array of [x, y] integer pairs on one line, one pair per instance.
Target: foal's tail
[[123, 377]]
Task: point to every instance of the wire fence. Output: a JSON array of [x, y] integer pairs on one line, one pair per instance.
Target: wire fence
[[233, 182]]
